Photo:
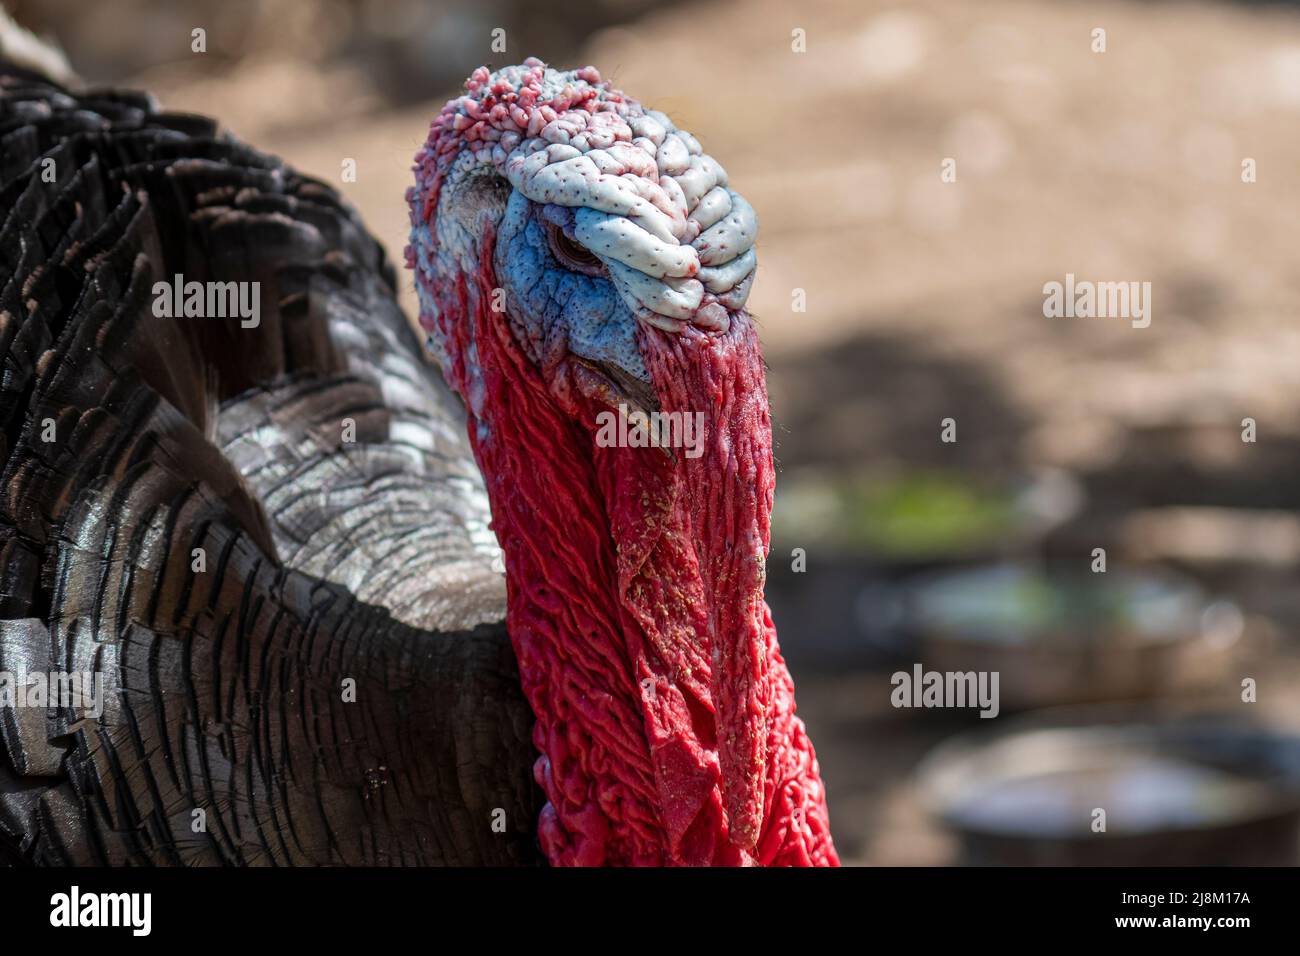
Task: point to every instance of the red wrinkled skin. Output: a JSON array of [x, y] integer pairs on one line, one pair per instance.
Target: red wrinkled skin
[[665, 713]]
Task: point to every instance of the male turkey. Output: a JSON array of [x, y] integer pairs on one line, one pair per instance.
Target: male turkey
[[272, 542]]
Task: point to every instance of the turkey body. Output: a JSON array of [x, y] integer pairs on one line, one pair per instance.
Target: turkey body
[[269, 540]]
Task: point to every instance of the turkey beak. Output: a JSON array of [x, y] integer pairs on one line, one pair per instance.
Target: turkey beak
[[613, 386]]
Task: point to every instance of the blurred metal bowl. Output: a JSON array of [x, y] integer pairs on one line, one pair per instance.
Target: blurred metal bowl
[[1059, 637], [1199, 790]]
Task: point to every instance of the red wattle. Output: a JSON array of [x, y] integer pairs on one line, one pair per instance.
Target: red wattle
[[665, 713]]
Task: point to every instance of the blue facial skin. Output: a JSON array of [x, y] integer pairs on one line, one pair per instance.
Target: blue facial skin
[[554, 307]]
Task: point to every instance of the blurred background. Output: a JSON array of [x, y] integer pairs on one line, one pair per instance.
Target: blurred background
[[1121, 691]]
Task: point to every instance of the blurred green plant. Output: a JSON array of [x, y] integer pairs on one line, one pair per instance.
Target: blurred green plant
[[908, 516]]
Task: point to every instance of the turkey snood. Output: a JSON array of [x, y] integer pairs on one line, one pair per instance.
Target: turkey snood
[[574, 252]]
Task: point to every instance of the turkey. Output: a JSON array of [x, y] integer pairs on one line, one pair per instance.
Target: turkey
[[238, 496]]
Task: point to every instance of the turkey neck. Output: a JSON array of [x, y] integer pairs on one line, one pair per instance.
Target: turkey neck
[[665, 716]]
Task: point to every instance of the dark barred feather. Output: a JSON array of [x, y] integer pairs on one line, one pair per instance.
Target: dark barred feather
[[326, 560]]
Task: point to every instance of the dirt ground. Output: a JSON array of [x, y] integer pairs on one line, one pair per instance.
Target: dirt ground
[[1117, 165]]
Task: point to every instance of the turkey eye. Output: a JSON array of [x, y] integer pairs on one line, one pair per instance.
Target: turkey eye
[[571, 254]]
